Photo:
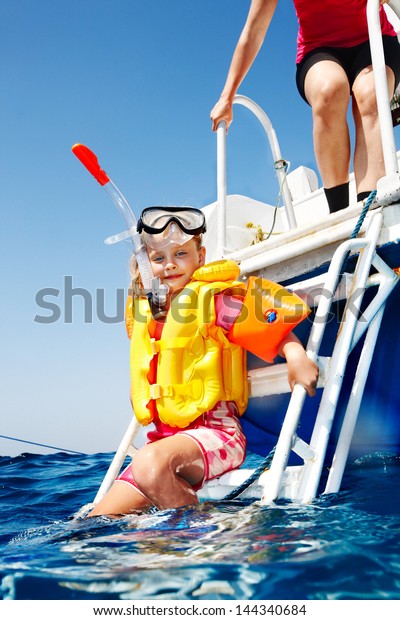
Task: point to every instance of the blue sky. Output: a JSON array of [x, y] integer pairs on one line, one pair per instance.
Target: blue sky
[[135, 81]]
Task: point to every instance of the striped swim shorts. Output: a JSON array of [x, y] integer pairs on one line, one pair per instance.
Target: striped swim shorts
[[220, 437]]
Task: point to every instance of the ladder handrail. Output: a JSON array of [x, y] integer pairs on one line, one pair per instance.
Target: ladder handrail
[[221, 169], [381, 87], [388, 187], [118, 460], [285, 441], [221, 189]]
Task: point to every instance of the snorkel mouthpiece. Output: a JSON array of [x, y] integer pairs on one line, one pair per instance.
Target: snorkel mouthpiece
[[158, 298]]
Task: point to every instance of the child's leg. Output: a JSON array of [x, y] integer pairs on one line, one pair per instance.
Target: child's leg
[[121, 499], [164, 472]]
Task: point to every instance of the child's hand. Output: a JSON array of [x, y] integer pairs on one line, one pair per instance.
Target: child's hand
[[301, 369]]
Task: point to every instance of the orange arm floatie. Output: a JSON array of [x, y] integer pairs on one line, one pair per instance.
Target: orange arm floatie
[[268, 314]]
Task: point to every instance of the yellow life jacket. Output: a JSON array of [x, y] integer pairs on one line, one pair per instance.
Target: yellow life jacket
[[197, 366]]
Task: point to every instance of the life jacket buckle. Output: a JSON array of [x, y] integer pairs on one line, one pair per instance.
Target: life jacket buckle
[[155, 391], [154, 346], [169, 391]]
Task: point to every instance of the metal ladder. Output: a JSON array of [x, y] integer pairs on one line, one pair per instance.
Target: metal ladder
[[352, 328]]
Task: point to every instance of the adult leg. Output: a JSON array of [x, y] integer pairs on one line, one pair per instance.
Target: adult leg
[[327, 90], [368, 155]]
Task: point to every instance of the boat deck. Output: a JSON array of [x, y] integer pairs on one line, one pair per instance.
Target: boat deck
[[295, 253]]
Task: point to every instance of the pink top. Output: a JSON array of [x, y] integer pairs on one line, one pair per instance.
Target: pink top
[[334, 23]]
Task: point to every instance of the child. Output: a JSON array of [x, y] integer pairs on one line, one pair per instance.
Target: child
[[188, 367]]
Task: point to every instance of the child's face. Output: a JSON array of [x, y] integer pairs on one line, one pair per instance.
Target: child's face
[[175, 264]]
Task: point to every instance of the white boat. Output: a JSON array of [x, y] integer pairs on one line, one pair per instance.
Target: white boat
[[345, 266]]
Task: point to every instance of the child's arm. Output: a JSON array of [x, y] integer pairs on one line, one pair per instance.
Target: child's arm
[[301, 369]]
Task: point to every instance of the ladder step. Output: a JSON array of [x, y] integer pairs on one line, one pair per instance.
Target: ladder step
[[273, 379], [311, 290], [218, 488], [303, 449]]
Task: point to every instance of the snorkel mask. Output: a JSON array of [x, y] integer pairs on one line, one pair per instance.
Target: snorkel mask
[[162, 226]]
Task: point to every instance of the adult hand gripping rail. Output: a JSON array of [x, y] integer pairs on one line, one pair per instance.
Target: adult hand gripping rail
[[155, 292]]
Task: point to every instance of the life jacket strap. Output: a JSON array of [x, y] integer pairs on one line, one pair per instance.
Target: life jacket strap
[[169, 343], [192, 390]]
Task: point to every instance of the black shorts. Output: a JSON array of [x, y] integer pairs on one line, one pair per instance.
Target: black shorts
[[351, 59]]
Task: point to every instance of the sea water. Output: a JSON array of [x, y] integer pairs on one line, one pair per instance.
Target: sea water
[[342, 546]]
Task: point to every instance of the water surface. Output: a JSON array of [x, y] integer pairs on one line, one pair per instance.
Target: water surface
[[343, 546]]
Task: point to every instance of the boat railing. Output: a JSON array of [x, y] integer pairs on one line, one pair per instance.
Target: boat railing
[[279, 164], [388, 187]]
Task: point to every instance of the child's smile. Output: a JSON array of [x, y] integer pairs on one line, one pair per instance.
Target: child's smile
[[175, 264]]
